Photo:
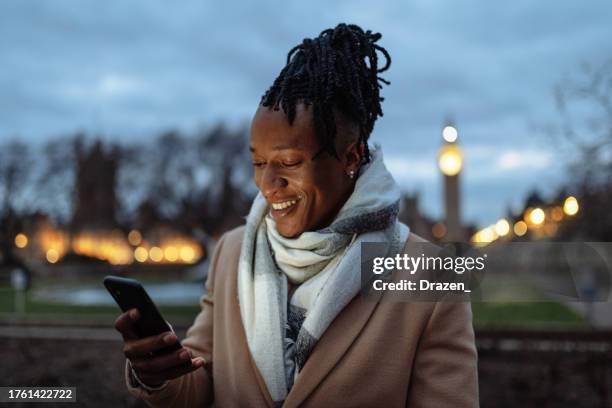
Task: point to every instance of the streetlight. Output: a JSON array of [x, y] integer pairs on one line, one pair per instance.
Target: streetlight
[[502, 227], [570, 206], [520, 228], [537, 216]]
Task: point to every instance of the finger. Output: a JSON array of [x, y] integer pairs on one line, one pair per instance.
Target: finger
[[162, 363], [170, 374], [125, 324], [179, 371], [141, 348]]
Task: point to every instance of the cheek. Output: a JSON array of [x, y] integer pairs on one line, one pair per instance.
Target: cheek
[[323, 190], [328, 182]]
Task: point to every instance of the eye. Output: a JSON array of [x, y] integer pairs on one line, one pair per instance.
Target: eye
[[291, 163], [258, 164]]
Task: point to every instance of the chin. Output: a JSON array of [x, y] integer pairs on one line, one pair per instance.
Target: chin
[[289, 231], [291, 226], [289, 234]]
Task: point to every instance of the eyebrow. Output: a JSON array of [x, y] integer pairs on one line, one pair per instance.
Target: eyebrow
[[279, 147]]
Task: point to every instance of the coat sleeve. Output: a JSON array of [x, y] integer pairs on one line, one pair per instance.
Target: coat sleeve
[[195, 388], [445, 366]]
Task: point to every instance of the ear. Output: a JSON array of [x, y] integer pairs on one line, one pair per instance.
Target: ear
[[353, 156]]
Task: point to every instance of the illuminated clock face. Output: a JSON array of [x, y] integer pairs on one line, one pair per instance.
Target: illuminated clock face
[[450, 160]]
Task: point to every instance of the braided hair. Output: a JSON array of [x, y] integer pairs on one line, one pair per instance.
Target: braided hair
[[330, 72]]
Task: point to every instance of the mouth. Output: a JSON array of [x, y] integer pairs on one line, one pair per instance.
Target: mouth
[[282, 209]]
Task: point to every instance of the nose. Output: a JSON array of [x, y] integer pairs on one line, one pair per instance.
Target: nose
[[271, 181]]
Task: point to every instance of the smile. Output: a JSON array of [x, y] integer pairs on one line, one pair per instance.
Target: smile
[[283, 205]]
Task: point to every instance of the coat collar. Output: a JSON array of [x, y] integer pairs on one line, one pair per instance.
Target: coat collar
[[330, 348]]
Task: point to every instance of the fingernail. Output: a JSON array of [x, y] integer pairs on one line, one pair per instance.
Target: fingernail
[[134, 313], [184, 355], [169, 338]]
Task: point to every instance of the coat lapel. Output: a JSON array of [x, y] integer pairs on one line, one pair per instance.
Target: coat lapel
[[327, 353], [332, 346], [335, 342]]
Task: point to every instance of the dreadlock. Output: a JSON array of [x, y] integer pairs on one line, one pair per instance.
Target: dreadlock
[[328, 72]]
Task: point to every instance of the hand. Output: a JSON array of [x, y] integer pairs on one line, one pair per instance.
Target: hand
[[151, 369]]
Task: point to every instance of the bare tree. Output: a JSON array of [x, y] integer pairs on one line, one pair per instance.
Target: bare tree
[[15, 170], [202, 180], [231, 188], [55, 181], [585, 127], [163, 174], [193, 181], [584, 104]]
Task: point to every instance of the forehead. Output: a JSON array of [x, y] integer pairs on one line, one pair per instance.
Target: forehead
[[272, 128]]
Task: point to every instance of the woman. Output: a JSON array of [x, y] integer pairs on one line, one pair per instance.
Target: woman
[[282, 323]]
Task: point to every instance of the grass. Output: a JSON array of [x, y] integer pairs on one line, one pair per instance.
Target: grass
[[51, 311], [525, 315], [486, 314]]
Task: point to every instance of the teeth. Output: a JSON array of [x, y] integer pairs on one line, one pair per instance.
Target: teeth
[[282, 206]]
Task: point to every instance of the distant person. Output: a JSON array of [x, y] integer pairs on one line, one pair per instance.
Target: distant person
[[283, 323], [13, 263]]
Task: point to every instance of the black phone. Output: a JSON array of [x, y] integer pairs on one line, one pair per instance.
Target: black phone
[[130, 294]]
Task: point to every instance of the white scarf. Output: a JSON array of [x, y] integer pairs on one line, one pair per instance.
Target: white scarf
[[325, 264]]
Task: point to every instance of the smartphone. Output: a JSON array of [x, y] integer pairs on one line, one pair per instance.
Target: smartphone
[[130, 294]]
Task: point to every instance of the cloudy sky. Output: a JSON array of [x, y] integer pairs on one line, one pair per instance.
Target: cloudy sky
[[130, 69]]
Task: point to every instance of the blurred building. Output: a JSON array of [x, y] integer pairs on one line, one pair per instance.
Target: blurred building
[[95, 199], [410, 215]]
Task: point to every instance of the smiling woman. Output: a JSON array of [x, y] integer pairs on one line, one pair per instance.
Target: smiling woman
[[283, 323], [304, 185]]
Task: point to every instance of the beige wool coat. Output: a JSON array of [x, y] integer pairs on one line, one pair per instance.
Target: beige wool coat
[[374, 354]]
